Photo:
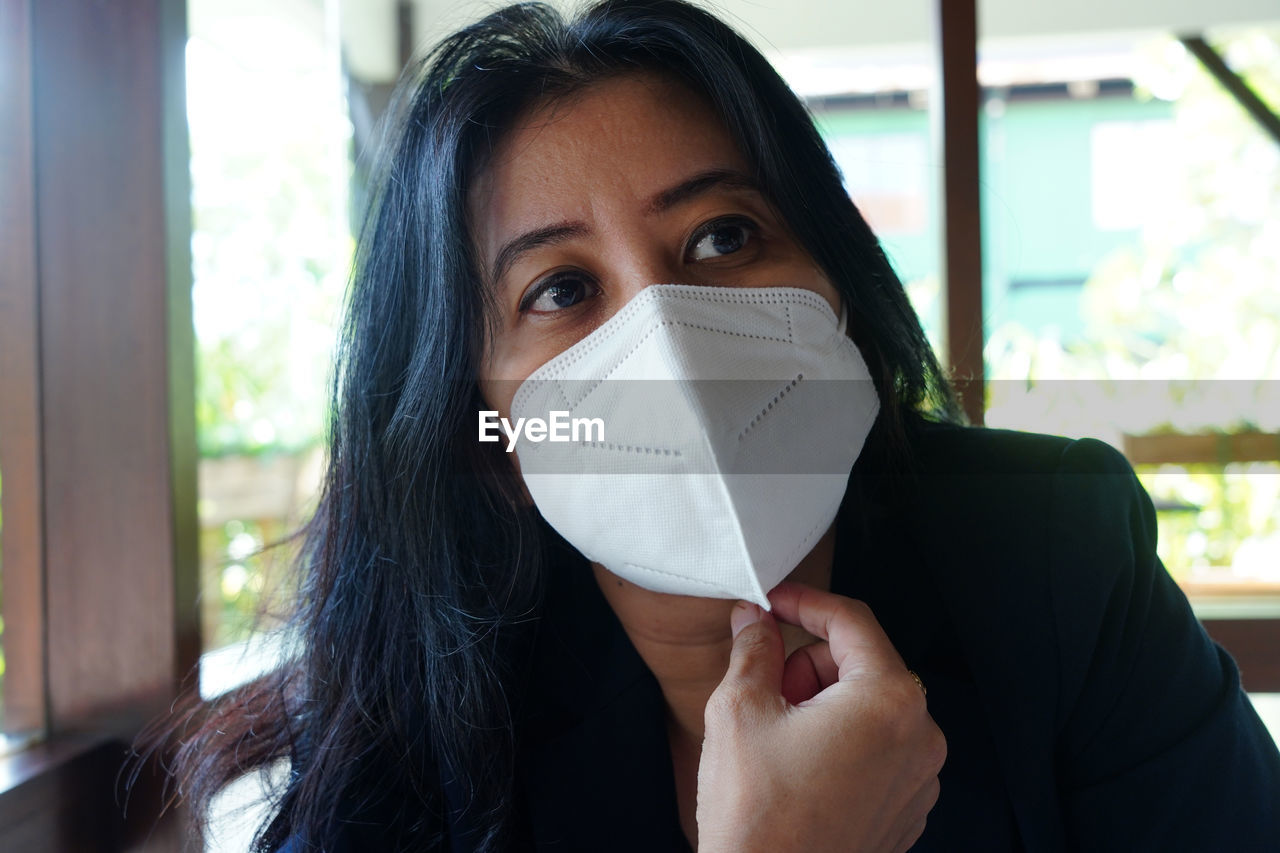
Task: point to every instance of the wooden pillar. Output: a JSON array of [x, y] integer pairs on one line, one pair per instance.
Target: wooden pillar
[[21, 485], [97, 434], [955, 118], [1253, 644], [113, 272]]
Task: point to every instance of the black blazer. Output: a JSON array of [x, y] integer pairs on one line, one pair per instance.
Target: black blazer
[[1083, 705]]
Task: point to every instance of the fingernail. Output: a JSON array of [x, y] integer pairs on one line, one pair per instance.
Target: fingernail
[[744, 613]]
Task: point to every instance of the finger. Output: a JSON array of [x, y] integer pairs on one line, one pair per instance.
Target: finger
[[800, 679], [756, 660], [809, 670], [856, 639]]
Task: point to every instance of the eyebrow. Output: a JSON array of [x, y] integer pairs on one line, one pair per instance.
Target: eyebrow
[[682, 192], [548, 236], [697, 185]]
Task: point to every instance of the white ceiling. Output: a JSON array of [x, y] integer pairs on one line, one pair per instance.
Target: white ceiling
[[786, 29]]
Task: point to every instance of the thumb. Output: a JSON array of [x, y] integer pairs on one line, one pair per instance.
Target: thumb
[[756, 661]]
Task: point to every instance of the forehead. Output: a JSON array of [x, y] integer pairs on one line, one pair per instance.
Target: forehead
[[602, 151]]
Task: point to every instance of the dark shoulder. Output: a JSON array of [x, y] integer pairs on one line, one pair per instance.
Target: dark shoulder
[[1042, 517], [1033, 542], [1009, 491], [945, 449]]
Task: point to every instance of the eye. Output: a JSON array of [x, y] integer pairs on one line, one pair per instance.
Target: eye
[[557, 292], [719, 238]]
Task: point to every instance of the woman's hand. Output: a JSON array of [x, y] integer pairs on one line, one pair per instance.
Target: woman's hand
[[849, 763]]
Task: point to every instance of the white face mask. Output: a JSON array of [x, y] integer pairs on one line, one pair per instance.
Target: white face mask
[[731, 419]]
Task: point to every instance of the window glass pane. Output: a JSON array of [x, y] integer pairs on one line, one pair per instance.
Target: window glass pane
[[1133, 237], [270, 170]]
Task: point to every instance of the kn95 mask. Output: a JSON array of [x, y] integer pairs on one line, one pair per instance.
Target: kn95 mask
[[719, 429]]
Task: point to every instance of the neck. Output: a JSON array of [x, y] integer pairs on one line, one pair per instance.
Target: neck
[[685, 641]]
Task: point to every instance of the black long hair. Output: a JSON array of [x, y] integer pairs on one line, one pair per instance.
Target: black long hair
[[420, 559]]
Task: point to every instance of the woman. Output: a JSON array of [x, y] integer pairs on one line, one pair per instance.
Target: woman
[[468, 679]]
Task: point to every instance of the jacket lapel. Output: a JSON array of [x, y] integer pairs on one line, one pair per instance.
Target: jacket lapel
[[596, 766]]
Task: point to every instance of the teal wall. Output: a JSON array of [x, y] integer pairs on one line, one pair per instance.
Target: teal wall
[[1038, 224], [913, 255]]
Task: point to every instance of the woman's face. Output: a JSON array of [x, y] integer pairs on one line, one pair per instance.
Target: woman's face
[[589, 200]]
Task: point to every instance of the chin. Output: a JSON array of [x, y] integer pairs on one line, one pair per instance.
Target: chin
[[682, 612]]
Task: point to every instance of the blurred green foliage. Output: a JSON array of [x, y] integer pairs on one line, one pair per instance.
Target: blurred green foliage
[[271, 245], [271, 249], [1219, 515], [245, 567], [1198, 299]]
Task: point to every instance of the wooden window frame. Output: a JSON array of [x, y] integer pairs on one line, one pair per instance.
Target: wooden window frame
[[97, 432]]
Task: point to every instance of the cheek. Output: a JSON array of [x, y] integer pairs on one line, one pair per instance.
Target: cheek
[[498, 393], [796, 268], [504, 368], [521, 350], [815, 280]]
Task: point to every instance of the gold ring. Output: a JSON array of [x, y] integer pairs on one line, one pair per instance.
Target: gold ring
[[917, 680]]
